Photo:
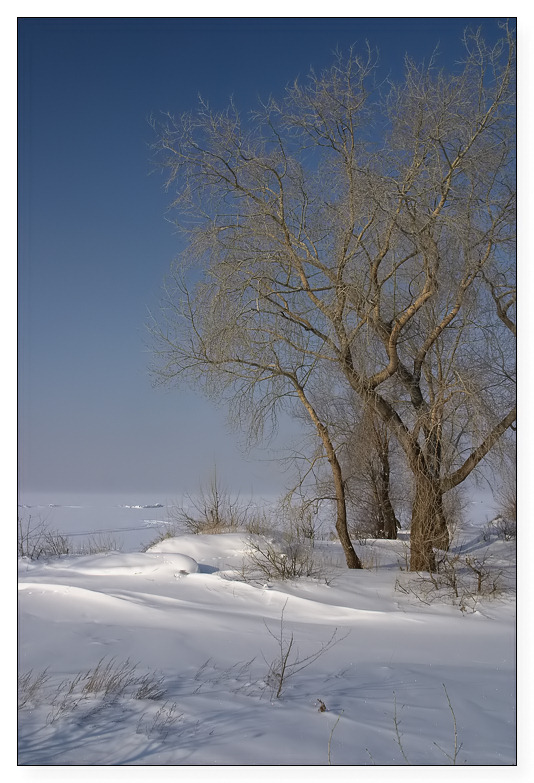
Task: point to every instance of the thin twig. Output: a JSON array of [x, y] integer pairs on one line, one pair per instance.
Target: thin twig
[[457, 747], [330, 738], [397, 722]]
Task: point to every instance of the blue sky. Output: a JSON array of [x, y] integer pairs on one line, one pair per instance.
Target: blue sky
[[94, 244]]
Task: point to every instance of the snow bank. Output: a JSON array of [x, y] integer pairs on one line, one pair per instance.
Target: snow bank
[[212, 641], [110, 563]]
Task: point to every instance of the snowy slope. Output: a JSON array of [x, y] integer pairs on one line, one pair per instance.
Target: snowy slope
[[406, 674]]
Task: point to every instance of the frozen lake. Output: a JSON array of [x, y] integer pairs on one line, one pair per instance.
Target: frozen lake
[[131, 520]]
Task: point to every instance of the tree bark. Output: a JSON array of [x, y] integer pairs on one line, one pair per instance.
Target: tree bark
[[389, 520], [383, 514], [353, 561], [429, 528], [390, 523]]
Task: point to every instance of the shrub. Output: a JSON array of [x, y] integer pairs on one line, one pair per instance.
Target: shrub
[[462, 579], [300, 522], [35, 540], [213, 510], [288, 559], [501, 527], [288, 661]]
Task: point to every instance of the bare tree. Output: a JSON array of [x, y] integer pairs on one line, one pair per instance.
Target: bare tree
[[372, 237]]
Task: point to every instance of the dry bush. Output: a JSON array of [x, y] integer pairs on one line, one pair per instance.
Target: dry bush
[[258, 523], [460, 579], [212, 510], [36, 540], [488, 580], [500, 527], [291, 554], [300, 521], [288, 661], [287, 560], [29, 534]]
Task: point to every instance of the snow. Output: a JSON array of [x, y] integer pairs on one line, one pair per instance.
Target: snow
[[149, 505], [407, 674]]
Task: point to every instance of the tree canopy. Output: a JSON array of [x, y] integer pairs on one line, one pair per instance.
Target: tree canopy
[[363, 233]]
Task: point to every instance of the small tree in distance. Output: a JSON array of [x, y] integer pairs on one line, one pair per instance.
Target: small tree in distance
[[371, 237]]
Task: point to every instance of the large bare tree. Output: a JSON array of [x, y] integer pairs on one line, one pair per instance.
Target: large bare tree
[[365, 232]]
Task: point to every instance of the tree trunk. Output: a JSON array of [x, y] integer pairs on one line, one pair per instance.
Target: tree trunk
[[429, 528], [385, 521], [390, 523], [389, 520], [353, 561], [376, 470]]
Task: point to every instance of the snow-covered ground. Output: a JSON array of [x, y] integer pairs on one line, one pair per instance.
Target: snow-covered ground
[[380, 667]]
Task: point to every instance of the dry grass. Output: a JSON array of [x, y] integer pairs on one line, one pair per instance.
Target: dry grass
[[109, 679], [35, 540]]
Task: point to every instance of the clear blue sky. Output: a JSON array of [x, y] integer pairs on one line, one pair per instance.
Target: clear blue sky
[[94, 245]]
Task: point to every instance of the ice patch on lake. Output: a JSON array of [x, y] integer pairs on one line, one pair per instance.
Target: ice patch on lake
[[149, 505]]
